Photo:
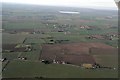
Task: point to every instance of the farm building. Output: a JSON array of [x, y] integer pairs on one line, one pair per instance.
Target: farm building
[[22, 58]]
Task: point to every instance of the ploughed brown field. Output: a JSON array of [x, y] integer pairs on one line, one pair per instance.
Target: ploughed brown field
[[75, 53], [11, 48]]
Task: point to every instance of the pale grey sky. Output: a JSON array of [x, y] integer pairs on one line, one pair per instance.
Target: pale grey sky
[[101, 4]]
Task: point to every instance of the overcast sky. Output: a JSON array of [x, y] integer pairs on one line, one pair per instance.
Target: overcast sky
[[101, 4]]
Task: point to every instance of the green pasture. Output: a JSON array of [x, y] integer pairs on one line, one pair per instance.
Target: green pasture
[[36, 69]]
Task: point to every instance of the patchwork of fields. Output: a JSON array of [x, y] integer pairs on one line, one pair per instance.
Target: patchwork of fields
[[41, 42]]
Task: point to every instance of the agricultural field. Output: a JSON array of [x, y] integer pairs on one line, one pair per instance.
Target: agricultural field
[[40, 41], [12, 38], [105, 57], [36, 69], [79, 53]]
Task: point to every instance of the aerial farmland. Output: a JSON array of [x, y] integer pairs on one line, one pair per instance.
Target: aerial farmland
[[59, 42]]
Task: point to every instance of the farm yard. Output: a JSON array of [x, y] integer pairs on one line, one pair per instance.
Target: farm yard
[[39, 42]]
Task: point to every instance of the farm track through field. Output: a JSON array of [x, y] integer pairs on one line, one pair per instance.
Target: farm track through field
[[24, 40], [5, 65], [40, 53]]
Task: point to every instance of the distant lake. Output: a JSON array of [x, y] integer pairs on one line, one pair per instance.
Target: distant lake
[[69, 12]]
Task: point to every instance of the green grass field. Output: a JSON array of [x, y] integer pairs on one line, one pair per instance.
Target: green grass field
[[33, 40], [12, 38], [31, 69], [10, 56]]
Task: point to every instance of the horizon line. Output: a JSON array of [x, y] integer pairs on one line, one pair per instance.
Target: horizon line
[[89, 7]]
